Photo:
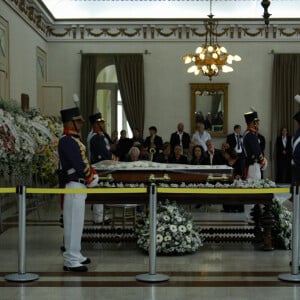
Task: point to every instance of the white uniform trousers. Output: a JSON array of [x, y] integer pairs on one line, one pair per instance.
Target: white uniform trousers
[[254, 172], [74, 207]]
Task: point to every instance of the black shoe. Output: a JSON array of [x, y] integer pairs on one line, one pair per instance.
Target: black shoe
[[62, 248], [76, 269], [86, 262]]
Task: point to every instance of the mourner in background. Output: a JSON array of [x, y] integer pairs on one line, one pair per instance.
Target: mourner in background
[[77, 174], [255, 160], [182, 138], [296, 153], [165, 156], [153, 143], [123, 146], [213, 156], [99, 149], [201, 136], [137, 139], [177, 157], [198, 155], [235, 141], [283, 157], [133, 154]]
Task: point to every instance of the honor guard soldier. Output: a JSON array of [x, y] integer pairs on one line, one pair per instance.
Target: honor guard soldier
[[296, 153], [76, 173], [255, 160], [99, 149]]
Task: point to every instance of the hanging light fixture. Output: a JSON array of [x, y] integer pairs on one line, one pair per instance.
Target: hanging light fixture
[[211, 58]]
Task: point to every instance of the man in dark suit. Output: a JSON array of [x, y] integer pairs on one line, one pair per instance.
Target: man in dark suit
[[214, 156], [235, 141], [182, 138], [283, 157], [153, 141]]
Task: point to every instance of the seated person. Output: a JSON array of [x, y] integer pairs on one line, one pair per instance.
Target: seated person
[[165, 156], [198, 155], [233, 160], [214, 156], [144, 155], [133, 154], [137, 139], [177, 157], [123, 146]]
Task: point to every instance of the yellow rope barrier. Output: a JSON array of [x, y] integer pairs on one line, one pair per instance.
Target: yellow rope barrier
[[128, 190], [8, 190], [12, 190], [222, 190]]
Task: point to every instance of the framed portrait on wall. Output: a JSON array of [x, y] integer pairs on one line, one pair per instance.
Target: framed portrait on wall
[[4, 59], [41, 65]]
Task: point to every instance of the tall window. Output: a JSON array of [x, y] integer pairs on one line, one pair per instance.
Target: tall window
[[109, 101]]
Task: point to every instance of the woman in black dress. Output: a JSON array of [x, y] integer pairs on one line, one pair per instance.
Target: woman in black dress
[[198, 155]]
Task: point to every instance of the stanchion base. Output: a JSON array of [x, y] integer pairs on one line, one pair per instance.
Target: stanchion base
[[289, 277], [152, 277], [22, 277]]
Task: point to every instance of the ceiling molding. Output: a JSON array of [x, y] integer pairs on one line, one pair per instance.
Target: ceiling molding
[[41, 20]]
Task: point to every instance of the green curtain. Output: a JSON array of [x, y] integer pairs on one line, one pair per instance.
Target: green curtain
[[87, 90], [285, 85], [130, 73]]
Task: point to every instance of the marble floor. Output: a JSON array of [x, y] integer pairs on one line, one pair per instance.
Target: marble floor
[[216, 271]]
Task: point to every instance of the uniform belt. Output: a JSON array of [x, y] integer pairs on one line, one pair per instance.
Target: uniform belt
[[80, 180]]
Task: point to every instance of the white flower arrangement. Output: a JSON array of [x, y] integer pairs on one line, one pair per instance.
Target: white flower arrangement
[[282, 230], [175, 231], [28, 143]]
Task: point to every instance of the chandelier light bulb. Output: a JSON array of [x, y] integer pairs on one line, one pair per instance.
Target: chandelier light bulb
[[227, 69], [197, 72], [202, 56], [214, 67], [192, 69], [187, 59], [215, 55], [229, 59], [210, 48], [199, 50], [237, 58], [204, 68], [223, 50]]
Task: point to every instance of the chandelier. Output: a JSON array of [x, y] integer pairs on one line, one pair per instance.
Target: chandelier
[[211, 58]]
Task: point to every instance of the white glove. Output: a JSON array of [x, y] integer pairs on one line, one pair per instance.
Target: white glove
[[264, 167], [94, 182]]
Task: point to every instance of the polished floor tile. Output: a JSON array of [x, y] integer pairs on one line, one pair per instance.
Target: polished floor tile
[[216, 271]]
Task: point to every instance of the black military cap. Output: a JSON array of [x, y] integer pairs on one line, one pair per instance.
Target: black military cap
[[296, 117], [71, 114], [251, 116], [96, 118]]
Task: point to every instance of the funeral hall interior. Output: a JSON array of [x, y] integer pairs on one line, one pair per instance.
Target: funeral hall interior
[[169, 229]]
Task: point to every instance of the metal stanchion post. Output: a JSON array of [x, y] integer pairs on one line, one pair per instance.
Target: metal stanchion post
[[22, 275], [294, 275], [152, 276]]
